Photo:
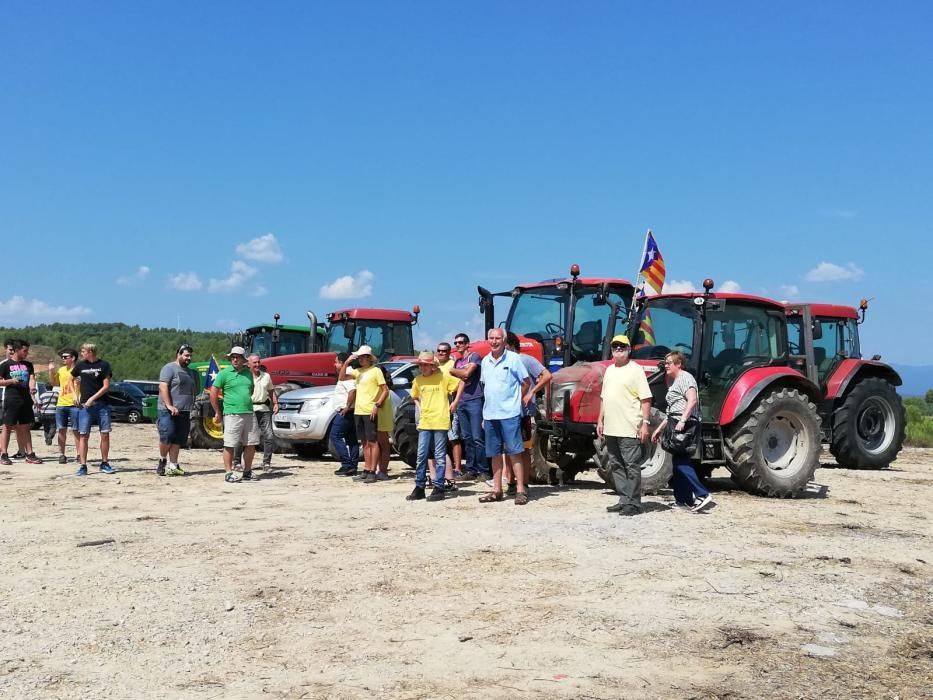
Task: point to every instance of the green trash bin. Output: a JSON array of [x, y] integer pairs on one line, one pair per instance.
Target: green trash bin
[[151, 407]]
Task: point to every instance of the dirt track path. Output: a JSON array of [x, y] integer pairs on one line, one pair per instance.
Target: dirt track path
[[302, 585]]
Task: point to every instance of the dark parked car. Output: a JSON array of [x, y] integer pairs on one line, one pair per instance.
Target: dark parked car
[[149, 388], [126, 402]]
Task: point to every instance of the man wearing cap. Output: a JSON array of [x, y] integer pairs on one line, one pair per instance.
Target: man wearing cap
[[177, 387], [624, 411], [372, 412], [505, 381], [239, 421], [66, 405], [431, 392]]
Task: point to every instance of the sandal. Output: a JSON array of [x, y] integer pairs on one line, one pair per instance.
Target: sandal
[[491, 497], [521, 499]]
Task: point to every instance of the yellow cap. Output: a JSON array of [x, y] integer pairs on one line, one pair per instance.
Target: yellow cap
[[620, 339]]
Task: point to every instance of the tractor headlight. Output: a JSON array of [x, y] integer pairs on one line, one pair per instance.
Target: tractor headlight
[[557, 395]]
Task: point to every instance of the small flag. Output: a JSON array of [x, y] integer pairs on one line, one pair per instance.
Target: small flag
[[212, 371], [652, 265]]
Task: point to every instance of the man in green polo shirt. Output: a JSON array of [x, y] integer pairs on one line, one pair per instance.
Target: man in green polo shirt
[[239, 422]]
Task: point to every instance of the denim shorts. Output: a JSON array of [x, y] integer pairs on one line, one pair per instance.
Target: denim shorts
[[503, 436], [66, 417], [173, 430], [99, 413], [454, 432]]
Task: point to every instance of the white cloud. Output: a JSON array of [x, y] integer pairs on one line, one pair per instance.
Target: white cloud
[[138, 277], [729, 286], [263, 249], [19, 310], [678, 287], [259, 291], [240, 272], [789, 290], [185, 282], [350, 286], [830, 272]]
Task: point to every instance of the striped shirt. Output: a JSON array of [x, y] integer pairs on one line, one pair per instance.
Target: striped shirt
[[677, 396]]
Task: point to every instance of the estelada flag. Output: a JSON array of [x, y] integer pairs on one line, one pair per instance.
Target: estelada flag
[[212, 371], [652, 265]]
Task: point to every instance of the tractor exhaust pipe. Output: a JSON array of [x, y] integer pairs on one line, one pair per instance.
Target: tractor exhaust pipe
[[313, 319]]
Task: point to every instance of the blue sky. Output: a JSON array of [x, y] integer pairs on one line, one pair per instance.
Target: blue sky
[[210, 164]]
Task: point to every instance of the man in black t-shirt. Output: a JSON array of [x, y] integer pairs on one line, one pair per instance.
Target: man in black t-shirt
[[8, 346], [94, 378], [18, 378]]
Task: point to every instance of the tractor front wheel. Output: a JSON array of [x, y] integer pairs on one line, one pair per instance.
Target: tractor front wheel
[[869, 425], [205, 434], [774, 448]]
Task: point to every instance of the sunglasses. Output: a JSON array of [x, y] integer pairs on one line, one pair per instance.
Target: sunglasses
[[184, 348], [67, 357], [442, 352], [620, 347], [460, 342]]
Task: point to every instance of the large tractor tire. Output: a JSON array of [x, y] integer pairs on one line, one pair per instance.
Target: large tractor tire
[[405, 432], [869, 426], [205, 434], [774, 448], [543, 469]]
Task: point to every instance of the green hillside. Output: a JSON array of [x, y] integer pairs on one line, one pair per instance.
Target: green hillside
[[133, 352]]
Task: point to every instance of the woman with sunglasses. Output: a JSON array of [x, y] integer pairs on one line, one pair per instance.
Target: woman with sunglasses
[[683, 406]]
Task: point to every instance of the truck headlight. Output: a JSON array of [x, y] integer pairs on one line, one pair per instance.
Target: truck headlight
[[313, 405]]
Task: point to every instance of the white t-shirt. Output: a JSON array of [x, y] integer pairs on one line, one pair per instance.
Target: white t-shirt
[[342, 393]]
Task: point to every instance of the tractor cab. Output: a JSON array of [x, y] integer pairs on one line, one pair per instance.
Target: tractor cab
[[831, 339], [273, 340], [387, 332], [562, 321], [722, 336]]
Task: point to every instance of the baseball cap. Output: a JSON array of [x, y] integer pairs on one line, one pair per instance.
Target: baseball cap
[[236, 350], [620, 339], [426, 357]]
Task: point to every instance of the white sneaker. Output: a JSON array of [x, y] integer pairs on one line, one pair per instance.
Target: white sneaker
[[704, 502]]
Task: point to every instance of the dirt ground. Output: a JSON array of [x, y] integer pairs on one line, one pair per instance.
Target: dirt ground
[[303, 585]]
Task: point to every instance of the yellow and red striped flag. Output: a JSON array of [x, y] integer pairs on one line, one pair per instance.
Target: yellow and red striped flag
[[652, 265]]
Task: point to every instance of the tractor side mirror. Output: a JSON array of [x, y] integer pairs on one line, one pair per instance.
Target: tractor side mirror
[[602, 295], [349, 330], [817, 330], [275, 335]]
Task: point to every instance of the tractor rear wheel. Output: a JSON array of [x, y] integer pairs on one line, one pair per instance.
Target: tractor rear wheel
[[405, 432], [205, 434], [869, 425], [774, 448]]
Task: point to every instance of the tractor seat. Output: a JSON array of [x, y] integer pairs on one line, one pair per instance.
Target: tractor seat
[[589, 339], [727, 358]]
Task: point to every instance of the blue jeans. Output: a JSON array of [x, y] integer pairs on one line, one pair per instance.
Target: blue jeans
[[425, 438], [98, 413], [687, 485], [343, 438], [471, 431]]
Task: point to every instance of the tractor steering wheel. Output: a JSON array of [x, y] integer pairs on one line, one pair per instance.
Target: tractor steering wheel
[[554, 329]]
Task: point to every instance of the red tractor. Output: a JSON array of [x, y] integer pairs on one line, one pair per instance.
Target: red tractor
[[387, 331], [761, 404], [862, 413]]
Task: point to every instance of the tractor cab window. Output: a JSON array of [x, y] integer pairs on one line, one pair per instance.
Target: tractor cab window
[[590, 323], [839, 341], [662, 327], [261, 344], [385, 338], [291, 343], [539, 314], [737, 337]]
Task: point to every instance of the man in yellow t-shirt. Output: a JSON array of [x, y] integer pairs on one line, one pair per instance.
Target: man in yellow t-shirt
[[372, 413], [623, 421], [431, 392], [66, 408], [452, 470]]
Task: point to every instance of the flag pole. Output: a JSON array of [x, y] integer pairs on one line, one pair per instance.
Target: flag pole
[[638, 275]]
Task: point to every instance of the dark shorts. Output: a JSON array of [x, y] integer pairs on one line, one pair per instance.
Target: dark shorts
[[365, 428], [173, 430], [18, 413]]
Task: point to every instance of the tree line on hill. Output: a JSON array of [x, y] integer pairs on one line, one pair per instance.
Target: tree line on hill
[[133, 352], [920, 420]]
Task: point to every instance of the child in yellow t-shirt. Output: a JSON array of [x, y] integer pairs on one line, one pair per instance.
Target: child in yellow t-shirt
[[431, 391]]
